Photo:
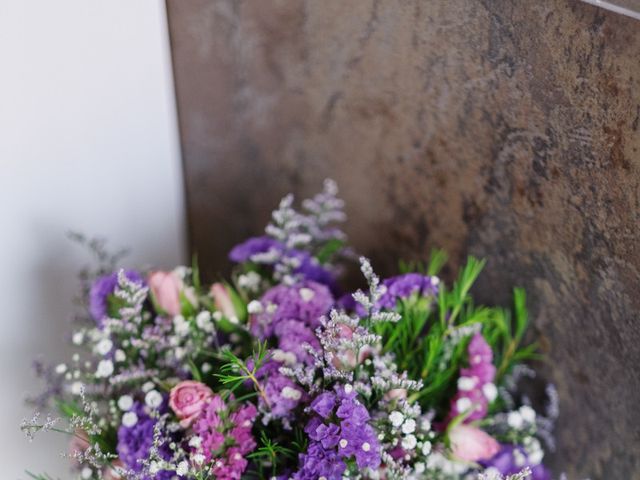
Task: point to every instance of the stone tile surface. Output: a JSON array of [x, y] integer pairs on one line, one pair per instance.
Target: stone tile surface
[[504, 129]]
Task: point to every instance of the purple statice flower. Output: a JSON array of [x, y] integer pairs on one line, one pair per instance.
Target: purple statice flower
[[283, 395], [272, 251], [306, 302], [100, 290], [134, 443], [404, 286], [253, 246], [338, 432], [511, 459], [295, 337], [320, 462], [474, 381]]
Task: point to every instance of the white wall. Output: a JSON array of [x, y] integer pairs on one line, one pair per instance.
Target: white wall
[[88, 142]]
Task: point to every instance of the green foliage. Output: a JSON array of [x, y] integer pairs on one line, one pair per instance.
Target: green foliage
[[235, 371], [431, 338], [270, 453]]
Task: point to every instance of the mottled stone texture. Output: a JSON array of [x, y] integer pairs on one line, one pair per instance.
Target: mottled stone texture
[[504, 129]]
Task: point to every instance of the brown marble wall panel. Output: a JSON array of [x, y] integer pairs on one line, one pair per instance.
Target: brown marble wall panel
[[505, 129]]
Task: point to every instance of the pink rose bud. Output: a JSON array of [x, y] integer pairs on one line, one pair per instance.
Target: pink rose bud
[[223, 301], [165, 288], [472, 444], [187, 399], [396, 394]]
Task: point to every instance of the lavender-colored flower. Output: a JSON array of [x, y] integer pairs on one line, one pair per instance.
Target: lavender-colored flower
[[511, 459], [282, 393], [100, 290], [255, 245], [320, 462], [306, 302], [323, 404], [308, 267], [295, 337], [352, 437], [134, 443], [403, 286]]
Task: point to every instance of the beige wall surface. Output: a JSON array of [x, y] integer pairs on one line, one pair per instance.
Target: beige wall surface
[[505, 129]]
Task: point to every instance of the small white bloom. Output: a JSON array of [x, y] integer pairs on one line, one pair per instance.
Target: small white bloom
[[61, 369], [425, 425], [76, 388], [306, 294], [119, 356], [86, 473], [195, 442], [466, 384], [490, 391], [426, 448], [271, 307], [409, 426], [536, 456], [183, 468], [528, 414], [148, 386], [179, 353], [180, 325], [206, 367], [514, 420], [291, 393], [154, 468], [343, 443], [203, 320], [519, 458], [463, 404], [419, 467], [435, 281], [366, 446], [125, 402], [348, 388], [153, 399], [254, 306], [78, 338], [105, 369], [75, 357], [217, 315], [409, 442], [396, 418], [129, 419], [198, 458], [104, 346], [233, 319], [288, 358]]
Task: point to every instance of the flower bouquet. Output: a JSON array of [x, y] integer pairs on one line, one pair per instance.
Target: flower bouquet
[[277, 373]]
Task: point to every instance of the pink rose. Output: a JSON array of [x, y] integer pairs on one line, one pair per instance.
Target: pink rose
[[165, 288], [472, 444], [187, 399], [223, 302]]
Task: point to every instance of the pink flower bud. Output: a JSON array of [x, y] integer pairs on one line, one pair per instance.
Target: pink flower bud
[[165, 288], [223, 302], [472, 444]]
